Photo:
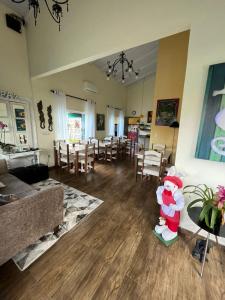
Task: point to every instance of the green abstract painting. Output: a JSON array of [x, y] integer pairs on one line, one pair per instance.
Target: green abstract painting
[[211, 138]]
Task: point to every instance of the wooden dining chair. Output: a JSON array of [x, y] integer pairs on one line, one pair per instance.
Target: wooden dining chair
[[66, 155], [86, 158], [152, 164], [111, 152], [120, 147], [131, 147], [56, 145], [99, 148]]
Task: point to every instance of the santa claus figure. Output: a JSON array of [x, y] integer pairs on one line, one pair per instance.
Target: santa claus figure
[[171, 201]]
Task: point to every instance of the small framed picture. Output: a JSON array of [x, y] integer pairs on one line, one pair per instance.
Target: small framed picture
[[20, 125], [19, 112], [100, 120]]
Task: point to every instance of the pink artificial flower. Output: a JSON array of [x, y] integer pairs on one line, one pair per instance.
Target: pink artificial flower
[[221, 192], [220, 195], [2, 125]]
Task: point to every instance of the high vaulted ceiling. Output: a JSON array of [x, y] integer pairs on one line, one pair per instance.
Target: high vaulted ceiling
[[145, 61]]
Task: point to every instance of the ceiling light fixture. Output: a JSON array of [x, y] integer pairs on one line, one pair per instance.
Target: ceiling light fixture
[[126, 65], [56, 11]]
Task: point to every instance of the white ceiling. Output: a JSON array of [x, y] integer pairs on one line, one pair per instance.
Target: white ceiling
[[144, 57], [145, 61], [20, 8]]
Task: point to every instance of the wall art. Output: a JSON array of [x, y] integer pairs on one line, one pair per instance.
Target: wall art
[[211, 137]]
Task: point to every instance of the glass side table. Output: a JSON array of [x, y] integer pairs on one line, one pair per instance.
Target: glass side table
[[194, 213]]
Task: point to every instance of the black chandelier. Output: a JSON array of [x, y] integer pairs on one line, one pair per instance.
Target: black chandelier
[[55, 11], [127, 67]]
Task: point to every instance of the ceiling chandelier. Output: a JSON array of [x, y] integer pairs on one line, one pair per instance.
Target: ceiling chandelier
[[55, 11], [126, 66]]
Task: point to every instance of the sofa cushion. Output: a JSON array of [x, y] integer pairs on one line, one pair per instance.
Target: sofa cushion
[[5, 199], [31, 174], [15, 186]]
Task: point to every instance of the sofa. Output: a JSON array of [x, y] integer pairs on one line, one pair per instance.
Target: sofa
[[27, 218]]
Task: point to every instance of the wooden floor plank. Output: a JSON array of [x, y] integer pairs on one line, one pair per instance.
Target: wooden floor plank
[[113, 254]]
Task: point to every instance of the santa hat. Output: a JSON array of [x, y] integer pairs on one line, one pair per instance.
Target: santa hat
[[175, 180]]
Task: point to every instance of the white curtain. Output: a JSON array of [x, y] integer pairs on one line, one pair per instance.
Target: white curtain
[[60, 116], [121, 124], [89, 120], [110, 121]]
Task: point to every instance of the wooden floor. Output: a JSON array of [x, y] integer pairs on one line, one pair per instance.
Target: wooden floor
[[113, 254]]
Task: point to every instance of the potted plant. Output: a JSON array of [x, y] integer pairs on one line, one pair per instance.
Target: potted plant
[[213, 206]]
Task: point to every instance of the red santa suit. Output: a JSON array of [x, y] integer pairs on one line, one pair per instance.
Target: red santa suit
[[171, 202], [171, 221]]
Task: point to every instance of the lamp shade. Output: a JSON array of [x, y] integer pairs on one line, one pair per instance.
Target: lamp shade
[[174, 124]]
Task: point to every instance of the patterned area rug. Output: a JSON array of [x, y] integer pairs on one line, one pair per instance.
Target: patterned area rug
[[77, 205]]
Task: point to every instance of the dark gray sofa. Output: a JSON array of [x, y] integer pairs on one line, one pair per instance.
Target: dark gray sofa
[[25, 220]]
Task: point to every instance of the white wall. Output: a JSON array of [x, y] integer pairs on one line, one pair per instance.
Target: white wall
[[14, 69], [140, 97], [71, 82], [206, 47]]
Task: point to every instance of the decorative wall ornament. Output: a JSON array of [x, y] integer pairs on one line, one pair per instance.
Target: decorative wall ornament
[[41, 114], [50, 122], [8, 95], [211, 137]]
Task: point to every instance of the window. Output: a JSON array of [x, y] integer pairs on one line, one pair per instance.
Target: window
[[15, 116], [76, 127]]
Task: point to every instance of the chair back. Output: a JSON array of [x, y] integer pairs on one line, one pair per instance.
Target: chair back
[[159, 147], [94, 141], [90, 149], [108, 138], [84, 142], [153, 158]]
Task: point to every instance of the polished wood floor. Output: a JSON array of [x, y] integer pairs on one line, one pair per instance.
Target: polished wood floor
[[112, 254]]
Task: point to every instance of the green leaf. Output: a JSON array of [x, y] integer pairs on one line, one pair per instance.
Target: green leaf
[[207, 220], [213, 217], [201, 190], [204, 212], [193, 202]]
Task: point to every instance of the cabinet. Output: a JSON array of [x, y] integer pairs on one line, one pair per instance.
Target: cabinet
[[131, 125]]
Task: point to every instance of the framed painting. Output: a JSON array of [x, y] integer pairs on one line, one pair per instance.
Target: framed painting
[[211, 137], [100, 120], [166, 111]]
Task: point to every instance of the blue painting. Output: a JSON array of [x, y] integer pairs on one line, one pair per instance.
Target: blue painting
[[211, 138]]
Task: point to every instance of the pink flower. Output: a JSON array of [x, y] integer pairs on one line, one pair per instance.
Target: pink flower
[[220, 197], [2, 125], [221, 192]]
